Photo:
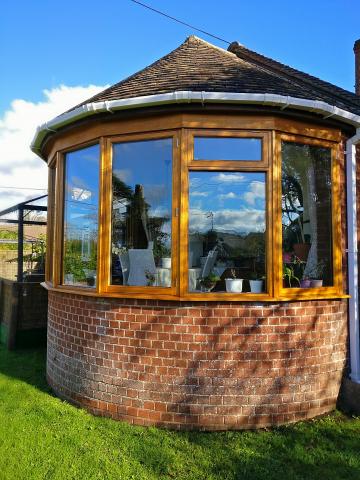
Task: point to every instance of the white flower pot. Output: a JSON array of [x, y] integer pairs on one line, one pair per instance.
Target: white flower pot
[[316, 283], [256, 286], [166, 262], [234, 285]]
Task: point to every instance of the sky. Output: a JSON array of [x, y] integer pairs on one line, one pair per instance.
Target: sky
[[55, 54]]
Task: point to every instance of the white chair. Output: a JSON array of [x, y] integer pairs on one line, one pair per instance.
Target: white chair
[[125, 264], [209, 263], [141, 261]]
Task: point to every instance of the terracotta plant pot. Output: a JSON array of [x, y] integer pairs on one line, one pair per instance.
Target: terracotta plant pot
[[234, 285], [301, 250], [316, 283]]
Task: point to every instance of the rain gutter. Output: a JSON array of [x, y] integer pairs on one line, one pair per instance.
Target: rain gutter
[[267, 99]]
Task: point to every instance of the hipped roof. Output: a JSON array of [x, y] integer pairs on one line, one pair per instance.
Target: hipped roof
[[198, 71], [199, 66]]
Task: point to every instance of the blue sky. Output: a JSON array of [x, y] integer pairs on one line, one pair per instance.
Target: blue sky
[[46, 43], [65, 46]]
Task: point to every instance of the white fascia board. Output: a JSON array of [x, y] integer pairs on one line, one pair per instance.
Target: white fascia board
[[282, 101]]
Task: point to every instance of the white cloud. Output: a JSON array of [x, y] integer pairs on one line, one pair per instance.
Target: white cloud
[[228, 178], [19, 167], [256, 192], [228, 196], [199, 194], [125, 174]]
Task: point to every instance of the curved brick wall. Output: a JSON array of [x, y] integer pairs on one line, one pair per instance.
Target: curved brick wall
[[197, 365]]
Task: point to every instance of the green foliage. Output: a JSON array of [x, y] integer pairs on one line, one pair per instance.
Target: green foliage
[[289, 275], [209, 282], [43, 437], [8, 235], [75, 263]]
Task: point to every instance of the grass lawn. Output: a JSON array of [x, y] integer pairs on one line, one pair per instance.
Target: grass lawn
[[42, 437]]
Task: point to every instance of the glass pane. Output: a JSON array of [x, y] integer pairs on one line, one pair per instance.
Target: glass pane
[[81, 217], [229, 148], [306, 216], [227, 222], [141, 213]]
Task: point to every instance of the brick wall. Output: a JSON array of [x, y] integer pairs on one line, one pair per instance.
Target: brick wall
[[197, 365]]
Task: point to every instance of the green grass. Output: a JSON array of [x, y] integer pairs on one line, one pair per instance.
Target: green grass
[[42, 437]]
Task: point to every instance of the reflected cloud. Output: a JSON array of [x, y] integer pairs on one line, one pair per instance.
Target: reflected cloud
[[232, 221], [199, 194], [228, 196], [124, 175], [255, 192], [228, 178]]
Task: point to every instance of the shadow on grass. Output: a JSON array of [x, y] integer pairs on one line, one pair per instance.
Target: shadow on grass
[[326, 447], [28, 365], [323, 448]]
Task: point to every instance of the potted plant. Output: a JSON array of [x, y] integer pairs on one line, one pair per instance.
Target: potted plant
[[209, 282], [305, 282], [316, 274], [166, 262], [289, 275], [256, 283], [233, 284], [150, 278]]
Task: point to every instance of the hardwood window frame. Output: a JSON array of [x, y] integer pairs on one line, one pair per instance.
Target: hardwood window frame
[[183, 163], [325, 291], [50, 224], [189, 165], [58, 274], [106, 202]]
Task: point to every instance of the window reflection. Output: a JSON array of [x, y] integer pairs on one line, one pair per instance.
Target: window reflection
[[227, 148], [306, 215], [81, 217], [227, 232], [141, 213]]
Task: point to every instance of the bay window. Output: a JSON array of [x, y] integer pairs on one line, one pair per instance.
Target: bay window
[[200, 214]]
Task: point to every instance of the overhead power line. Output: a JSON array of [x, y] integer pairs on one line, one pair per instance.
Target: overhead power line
[[180, 21]]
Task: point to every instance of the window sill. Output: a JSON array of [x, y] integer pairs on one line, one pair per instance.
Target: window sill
[[223, 297]]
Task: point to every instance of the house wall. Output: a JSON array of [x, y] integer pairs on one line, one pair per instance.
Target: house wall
[[202, 365]]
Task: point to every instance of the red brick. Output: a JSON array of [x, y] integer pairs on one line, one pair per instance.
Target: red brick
[[212, 366]]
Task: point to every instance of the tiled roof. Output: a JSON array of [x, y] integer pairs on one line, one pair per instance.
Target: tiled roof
[[199, 66]]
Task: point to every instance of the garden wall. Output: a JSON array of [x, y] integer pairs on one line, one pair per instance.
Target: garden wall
[[213, 366], [23, 314]]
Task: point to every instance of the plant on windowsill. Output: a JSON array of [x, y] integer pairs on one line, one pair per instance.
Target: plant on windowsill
[[233, 284], [165, 261], [209, 282], [316, 274], [150, 278], [256, 282], [289, 276]]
